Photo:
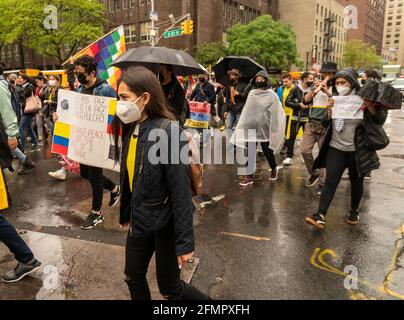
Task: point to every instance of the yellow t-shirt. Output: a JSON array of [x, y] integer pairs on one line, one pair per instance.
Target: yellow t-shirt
[[285, 95], [131, 160]]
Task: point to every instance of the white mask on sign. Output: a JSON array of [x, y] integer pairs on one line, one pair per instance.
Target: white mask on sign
[[128, 111]]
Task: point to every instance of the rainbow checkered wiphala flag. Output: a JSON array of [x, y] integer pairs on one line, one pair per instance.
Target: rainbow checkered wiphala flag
[[104, 51]]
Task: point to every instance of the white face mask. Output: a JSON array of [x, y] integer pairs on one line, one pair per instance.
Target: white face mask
[[343, 90], [52, 83], [128, 111]]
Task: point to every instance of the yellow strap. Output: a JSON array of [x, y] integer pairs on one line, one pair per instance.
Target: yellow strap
[[131, 160], [319, 107], [3, 193]]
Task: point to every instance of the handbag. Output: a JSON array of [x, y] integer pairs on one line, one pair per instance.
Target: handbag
[[33, 104], [375, 136]]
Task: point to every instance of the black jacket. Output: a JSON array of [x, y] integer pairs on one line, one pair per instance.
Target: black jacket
[[294, 99], [24, 93], [367, 160], [175, 95], [161, 192], [5, 153], [240, 100]]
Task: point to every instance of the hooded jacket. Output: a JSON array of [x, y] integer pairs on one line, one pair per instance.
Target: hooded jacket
[[101, 88], [294, 99]]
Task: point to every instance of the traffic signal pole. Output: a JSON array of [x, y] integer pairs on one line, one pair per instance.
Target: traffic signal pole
[[186, 17]]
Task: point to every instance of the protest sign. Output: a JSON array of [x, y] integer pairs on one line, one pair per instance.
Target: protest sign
[[347, 107], [83, 131], [200, 115]]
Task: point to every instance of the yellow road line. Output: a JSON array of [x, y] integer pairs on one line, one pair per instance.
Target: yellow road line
[[238, 235]]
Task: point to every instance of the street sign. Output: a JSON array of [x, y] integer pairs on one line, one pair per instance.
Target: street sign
[[173, 33], [154, 16]]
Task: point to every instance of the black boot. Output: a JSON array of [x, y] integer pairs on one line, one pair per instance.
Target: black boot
[[26, 167]]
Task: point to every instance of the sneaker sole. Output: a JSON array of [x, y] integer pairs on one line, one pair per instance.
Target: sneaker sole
[[311, 185], [92, 227], [116, 202], [310, 221], [23, 276], [246, 184], [352, 223], [60, 179]]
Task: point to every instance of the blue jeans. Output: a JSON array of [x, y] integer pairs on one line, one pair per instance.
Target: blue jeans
[[19, 155], [17, 246], [232, 120], [26, 124]]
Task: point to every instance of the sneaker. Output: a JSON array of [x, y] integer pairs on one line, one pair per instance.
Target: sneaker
[[317, 220], [352, 218], [59, 174], [35, 148], [288, 162], [115, 196], [312, 180], [92, 221], [246, 182], [26, 168], [21, 271], [368, 176], [274, 175], [319, 190]]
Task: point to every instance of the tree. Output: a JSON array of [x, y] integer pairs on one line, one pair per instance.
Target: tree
[[271, 43], [210, 53], [360, 55], [79, 23]]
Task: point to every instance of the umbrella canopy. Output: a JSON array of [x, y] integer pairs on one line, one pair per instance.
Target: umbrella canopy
[[152, 57], [248, 68]]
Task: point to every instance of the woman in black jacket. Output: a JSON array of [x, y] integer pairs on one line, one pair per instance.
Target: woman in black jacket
[[156, 200], [345, 147]]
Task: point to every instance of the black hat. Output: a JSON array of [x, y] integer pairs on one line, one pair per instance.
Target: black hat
[[351, 75], [329, 67]]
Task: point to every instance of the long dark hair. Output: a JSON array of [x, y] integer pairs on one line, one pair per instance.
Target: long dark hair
[[140, 80]]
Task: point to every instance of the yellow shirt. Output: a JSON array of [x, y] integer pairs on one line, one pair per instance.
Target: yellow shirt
[[286, 94], [131, 160]]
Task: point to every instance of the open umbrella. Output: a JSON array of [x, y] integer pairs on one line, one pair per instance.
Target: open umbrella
[[248, 68], [382, 94], [152, 57]]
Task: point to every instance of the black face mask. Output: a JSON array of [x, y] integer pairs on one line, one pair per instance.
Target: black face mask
[[261, 85], [363, 81], [82, 78], [310, 83], [202, 80]]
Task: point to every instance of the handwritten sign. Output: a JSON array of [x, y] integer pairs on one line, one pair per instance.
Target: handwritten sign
[[347, 107], [82, 132], [200, 115]]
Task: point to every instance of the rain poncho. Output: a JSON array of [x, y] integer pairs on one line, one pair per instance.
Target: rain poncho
[[262, 120]]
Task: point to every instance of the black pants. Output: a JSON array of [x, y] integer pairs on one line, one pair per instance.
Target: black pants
[[294, 130], [269, 155], [139, 252], [98, 183], [337, 162]]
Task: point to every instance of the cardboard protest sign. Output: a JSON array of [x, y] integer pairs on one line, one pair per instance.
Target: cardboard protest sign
[[347, 107], [83, 131], [200, 115]]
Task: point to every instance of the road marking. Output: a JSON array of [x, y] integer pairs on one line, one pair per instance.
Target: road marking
[[238, 235]]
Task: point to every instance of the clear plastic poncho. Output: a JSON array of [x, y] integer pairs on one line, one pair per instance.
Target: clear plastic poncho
[[262, 120]]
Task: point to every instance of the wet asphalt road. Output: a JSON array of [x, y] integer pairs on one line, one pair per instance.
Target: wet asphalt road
[[253, 242]]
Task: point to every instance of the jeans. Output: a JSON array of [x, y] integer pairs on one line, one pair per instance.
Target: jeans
[[98, 183], [337, 162], [139, 251], [19, 155], [232, 120], [310, 138], [12, 240], [294, 130], [269, 155], [39, 120], [26, 124]]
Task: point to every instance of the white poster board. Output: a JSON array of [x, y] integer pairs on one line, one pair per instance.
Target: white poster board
[[83, 131], [347, 107]]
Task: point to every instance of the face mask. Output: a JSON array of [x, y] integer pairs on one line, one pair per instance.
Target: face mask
[[260, 85], [52, 83], [343, 90], [82, 78], [202, 80], [129, 112], [363, 81], [310, 84]]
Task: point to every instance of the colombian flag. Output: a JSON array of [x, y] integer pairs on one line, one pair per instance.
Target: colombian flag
[[61, 138], [111, 115]]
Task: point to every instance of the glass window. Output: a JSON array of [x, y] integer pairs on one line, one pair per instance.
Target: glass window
[[145, 31], [130, 33]]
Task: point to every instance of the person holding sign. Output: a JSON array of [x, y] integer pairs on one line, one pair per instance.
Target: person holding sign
[[156, 200], [345, 145]]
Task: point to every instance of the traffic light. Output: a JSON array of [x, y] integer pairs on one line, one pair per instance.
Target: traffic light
[[187, 27], [191, 26], [184, 27]]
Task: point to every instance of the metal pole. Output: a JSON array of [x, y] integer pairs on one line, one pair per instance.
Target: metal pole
[[153, 38]]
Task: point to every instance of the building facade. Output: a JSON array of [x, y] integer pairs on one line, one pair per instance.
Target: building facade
[[393, 39], [211, 19], [319, 28], [366, 21]]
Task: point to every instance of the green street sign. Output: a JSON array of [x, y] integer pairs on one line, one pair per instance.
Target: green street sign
[[173, 33]]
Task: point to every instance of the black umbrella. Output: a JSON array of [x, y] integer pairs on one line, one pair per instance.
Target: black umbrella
[[248, 68], [382, 94], [152, 57]]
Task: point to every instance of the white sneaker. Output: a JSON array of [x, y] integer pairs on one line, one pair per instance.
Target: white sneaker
[[60, 174], [288, 162]]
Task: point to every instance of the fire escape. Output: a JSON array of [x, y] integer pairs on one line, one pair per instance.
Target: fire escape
[[329, 34]]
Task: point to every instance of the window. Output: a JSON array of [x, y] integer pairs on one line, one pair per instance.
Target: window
[[130, 33], [118, 5], [396, 41], [142, 3], [111, 5], [125, 4], [132, 3], [145, 31], [315, 39]]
